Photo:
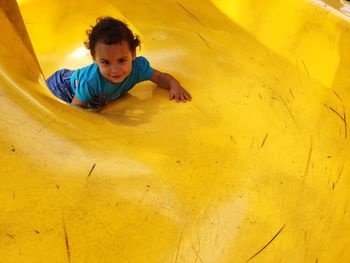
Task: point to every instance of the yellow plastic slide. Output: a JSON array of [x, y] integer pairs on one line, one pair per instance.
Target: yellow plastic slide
[[255, 169]]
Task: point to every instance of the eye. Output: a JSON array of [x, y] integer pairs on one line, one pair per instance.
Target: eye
[[105, 62], [122, 60]]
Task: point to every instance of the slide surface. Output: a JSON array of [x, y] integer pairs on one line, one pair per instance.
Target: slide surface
[[255, 169]]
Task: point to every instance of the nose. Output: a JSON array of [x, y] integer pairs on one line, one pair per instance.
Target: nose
[[115, 69]]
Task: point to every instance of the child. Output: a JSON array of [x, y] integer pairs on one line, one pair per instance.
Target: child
[[115, 70]]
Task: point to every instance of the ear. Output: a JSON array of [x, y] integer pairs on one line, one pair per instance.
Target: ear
[[93, 59], [133, 54]]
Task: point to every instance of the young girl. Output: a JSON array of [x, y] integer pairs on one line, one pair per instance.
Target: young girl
[[115, 70]]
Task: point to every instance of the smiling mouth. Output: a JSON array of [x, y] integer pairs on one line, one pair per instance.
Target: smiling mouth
[[116, 79]]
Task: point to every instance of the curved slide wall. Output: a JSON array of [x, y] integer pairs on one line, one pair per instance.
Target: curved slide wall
[[254, 169]]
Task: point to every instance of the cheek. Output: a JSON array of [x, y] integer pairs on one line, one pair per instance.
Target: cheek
[[128, 68], [104, 70]]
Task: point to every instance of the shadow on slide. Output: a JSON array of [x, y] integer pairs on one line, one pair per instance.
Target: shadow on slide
[[254, 169]]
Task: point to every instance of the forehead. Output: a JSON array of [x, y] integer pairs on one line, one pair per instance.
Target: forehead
[[112, 51]]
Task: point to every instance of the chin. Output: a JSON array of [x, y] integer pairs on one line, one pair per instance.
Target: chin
[[119, 80]]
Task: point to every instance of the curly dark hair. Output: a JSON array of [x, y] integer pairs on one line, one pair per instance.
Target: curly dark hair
[[109, 30]]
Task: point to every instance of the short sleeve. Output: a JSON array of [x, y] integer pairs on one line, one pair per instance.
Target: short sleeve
[[84, 91], [143, 69]]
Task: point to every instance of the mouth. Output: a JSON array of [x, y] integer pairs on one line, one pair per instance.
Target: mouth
[[116, 78]]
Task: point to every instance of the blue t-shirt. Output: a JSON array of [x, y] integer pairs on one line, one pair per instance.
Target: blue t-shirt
[[94, 89]]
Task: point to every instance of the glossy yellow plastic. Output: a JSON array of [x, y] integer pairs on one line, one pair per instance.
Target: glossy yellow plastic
[[254, 169]]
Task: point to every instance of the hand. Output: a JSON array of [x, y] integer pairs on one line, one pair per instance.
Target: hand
[[167, 81], [179, 94]]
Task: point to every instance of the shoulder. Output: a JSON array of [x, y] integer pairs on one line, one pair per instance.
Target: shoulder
[[142, 69], [87, 75], [86, 78], [89, 71], [141, 62]]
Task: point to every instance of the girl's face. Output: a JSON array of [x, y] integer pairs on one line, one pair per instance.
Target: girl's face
[[114, 61]]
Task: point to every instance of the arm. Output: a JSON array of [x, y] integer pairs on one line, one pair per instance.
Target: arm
[[77, 102], [176, 91]]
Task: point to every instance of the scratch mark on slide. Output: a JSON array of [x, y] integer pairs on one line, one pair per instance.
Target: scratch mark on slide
[[66, 240], [179, 245], [307, 71], [205, 41], [343, 118], [266, 244], [308, 162], [190, 14], [262, 145], [337, 95], [345, 125], [340, 173], [91, 170]]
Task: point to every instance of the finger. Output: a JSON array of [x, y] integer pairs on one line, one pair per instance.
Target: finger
[[171, 95], [182, 97], [188, 97]]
